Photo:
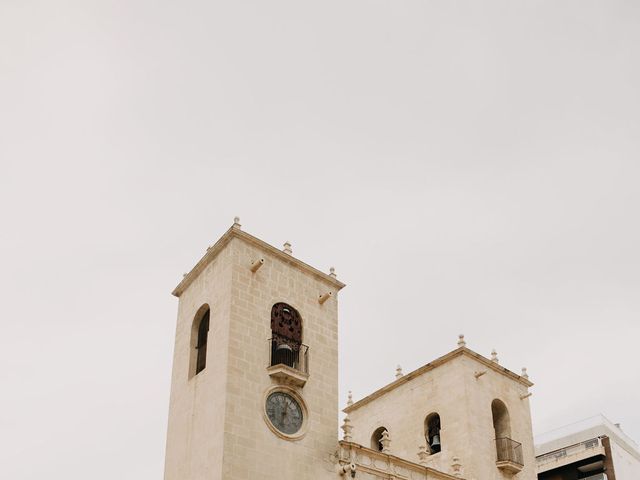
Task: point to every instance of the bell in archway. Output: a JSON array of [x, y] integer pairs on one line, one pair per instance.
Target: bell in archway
[[435, 443]]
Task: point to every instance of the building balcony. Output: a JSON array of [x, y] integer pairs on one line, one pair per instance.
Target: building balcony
[[288, 362], [579, 452], [509, 455]]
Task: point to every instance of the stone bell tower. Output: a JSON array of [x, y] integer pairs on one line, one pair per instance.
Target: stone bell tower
[[254, 389]]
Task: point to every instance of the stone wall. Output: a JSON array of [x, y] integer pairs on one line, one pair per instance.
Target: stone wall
[[197, 403], [218, 428], [463, 402]]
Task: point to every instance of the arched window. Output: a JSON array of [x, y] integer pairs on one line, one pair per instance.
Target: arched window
[[508, 451], [286, 335], [432, 432], [199, 340], [501, 421], [376, 439]]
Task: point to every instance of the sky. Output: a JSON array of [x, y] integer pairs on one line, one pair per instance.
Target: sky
[[467, 167]]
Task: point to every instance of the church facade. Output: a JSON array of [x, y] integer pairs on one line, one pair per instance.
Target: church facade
[[254, 389]]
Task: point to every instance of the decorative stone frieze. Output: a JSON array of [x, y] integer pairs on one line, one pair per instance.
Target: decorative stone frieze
[[373, 465]]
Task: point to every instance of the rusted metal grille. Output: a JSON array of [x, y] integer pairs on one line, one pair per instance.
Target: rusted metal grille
[[286, 323]]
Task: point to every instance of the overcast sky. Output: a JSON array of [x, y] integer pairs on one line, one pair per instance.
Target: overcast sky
[[468, 167]]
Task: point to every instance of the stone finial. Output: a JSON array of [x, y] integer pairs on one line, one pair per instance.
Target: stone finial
[[494, 356], [456, 466], [236, 222], [423, 454], [386, 442], [332, 272], [287, 248], [524, 373], [347, 428], [399, 372], [350, 398], [461, 341]]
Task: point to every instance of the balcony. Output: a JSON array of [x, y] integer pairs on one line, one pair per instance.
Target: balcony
[[288, 362], [509, 455], [579, 452]]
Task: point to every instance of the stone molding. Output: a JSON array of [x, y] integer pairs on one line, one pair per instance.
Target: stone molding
[[387, 466], [235, 232], [432, 365], [284, 374]]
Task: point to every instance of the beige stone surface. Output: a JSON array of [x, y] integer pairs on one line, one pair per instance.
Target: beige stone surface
[[218, 429], [450, 387], [371, 464]]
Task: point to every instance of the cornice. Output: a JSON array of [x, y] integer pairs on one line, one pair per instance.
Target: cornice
[[394, 460], [435, 364], [235, 232]]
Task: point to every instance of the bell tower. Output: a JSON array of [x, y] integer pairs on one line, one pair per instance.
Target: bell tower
[[254, 389]]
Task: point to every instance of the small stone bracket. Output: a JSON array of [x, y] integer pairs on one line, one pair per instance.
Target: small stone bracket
[[256, 264], [324, 297], [479, 374], [511, 468], [287, 375], [348, 470]]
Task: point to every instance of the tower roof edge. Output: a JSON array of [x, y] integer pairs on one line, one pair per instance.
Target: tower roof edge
[[234, 232], [460, 351]]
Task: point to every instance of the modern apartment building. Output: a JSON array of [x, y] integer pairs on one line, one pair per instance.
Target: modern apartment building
[[592, 449]]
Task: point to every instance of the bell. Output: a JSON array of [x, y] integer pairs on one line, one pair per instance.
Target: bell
[[435, 443], [284, 355]]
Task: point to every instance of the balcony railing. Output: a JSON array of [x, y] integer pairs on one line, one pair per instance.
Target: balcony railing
[[587, 447], [509, 454], [292, 355]]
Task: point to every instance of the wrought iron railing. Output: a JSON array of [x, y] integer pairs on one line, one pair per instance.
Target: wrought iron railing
[[509, 450], [291, 354]]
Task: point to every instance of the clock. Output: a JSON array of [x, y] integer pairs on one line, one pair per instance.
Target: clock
[[284, 412]]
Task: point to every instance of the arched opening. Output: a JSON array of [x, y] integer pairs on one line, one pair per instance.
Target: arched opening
[[501, 421], [286, 335], [376, 439], [508, 451], [199, 341], [432, 433]]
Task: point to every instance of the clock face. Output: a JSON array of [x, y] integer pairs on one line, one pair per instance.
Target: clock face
[[284, 412]]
